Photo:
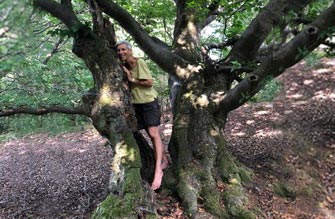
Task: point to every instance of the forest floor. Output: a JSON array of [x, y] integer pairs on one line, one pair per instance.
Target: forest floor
[[289, 144]]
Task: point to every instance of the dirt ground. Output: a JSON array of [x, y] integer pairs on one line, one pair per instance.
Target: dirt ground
[[288, 143]]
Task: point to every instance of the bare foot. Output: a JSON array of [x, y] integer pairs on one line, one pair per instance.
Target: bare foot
[[156, 183]]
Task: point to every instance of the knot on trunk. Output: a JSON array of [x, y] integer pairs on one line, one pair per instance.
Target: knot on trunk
[[218, 67], [312, 31], [252, 78]]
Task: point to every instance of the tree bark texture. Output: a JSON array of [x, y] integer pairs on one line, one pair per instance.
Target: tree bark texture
[[112, 115]]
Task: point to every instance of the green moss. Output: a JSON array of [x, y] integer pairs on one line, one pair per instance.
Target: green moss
[[231, 172], [115, 207], [122, 207], [243, 214], [236, 201], [125, 205], [227, 167], [189, 196], [284, 190], [245, 174], [212, 202], [132, 183], [187, 189]]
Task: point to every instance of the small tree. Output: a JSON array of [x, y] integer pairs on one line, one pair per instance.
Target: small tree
[[212, 84]]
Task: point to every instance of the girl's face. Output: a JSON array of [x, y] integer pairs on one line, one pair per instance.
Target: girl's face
[[123, 52]]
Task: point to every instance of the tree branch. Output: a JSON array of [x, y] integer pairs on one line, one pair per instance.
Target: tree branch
[[55, 49], [299, 47], [63, 11], [42, 111], [253, 37], [211, 15], [222, 45], [101, 24], [154, 50]]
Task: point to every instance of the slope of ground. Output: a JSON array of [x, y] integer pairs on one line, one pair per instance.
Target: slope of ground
[[289, 144]]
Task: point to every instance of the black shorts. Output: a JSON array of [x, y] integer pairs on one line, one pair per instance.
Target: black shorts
[[147, 114]]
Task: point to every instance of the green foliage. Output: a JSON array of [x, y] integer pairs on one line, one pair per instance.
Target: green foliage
[[313, 59], [268, 93], [157, 17], [60, 83], [24, 78], [238, 14], [231, 22], [314, 9], [53, 124]]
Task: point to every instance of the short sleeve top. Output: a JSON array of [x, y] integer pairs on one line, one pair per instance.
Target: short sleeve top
[[139, 93]]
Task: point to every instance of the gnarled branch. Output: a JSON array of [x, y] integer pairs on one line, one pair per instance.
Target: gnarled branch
[[246, 48], [43, 110], [300, 46]]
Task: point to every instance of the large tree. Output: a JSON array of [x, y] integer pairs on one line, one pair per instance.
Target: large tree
[[213, 80]]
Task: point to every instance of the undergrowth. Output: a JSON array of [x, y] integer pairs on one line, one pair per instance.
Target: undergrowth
[[22, 125]]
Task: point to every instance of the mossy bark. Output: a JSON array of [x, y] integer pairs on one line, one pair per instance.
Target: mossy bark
[[201, 162], [112, 115]]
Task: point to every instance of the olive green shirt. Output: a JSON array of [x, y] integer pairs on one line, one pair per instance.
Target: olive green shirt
[[140, 93]]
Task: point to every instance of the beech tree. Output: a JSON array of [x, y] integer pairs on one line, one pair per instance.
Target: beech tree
[[214, 78]]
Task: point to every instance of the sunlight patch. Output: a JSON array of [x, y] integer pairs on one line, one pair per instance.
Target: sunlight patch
[[201, 101], [240, 134], [295, 96], [77, 150], [265, 133], [308, 82], [262, 112], [299, 103], [188, 71], [331, 62], [5, 158], [105, 97], [249, 122], [321, 70], [323, 94]]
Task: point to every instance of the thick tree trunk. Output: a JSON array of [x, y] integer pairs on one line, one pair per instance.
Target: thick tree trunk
[[205, 172], [113, 117]]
